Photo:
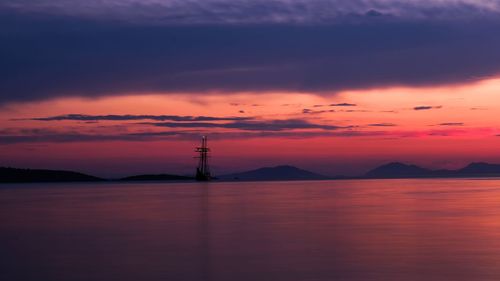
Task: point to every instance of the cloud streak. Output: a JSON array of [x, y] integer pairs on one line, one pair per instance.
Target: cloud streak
[[128, 117], [343, 104], [310, 111], [382, 125], [271, 125], [51, 136], [451, 124], [426, 107]]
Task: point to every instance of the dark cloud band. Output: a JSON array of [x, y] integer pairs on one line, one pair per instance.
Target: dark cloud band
[[46, 55]]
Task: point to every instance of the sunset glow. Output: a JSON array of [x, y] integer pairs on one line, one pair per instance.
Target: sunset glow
[[345, 132], [119, 87]]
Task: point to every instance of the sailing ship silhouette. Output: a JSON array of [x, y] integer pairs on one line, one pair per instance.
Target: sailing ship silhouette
[[203, 169]]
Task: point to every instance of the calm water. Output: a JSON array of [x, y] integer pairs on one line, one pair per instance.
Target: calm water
[[325, 230]]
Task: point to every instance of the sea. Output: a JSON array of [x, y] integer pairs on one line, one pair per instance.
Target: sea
[[408, 229]]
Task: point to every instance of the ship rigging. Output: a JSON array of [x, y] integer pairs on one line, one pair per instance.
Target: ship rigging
[[203, 170]]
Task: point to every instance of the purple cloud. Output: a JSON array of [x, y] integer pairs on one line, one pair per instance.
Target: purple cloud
[[132, 46], [264, 125], [343, 104], [426, 107], [255, 11], [451, 124], [128, 117]]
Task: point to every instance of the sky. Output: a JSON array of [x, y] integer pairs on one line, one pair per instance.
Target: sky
[[120, 87]]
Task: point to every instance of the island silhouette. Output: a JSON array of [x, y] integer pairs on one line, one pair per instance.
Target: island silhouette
[[394, 170], [284, 172], [39, 175]]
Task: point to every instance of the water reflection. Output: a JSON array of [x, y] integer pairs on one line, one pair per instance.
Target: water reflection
[[328, 230]]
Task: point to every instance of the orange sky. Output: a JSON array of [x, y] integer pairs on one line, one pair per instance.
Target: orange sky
[[457, 124]]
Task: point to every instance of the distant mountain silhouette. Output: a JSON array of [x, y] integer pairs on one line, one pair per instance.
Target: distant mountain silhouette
[[400, 170], [284, 172], [13, 175], [161, 177], [480, 169]]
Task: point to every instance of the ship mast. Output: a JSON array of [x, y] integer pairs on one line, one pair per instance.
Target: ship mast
[[203, 170]]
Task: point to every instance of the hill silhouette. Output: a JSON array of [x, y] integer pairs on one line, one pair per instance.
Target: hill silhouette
[[480, 169], [13, 175], [400, 170], [284, 172]]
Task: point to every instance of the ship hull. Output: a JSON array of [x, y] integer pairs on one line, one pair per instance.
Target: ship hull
[[202, 177]]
